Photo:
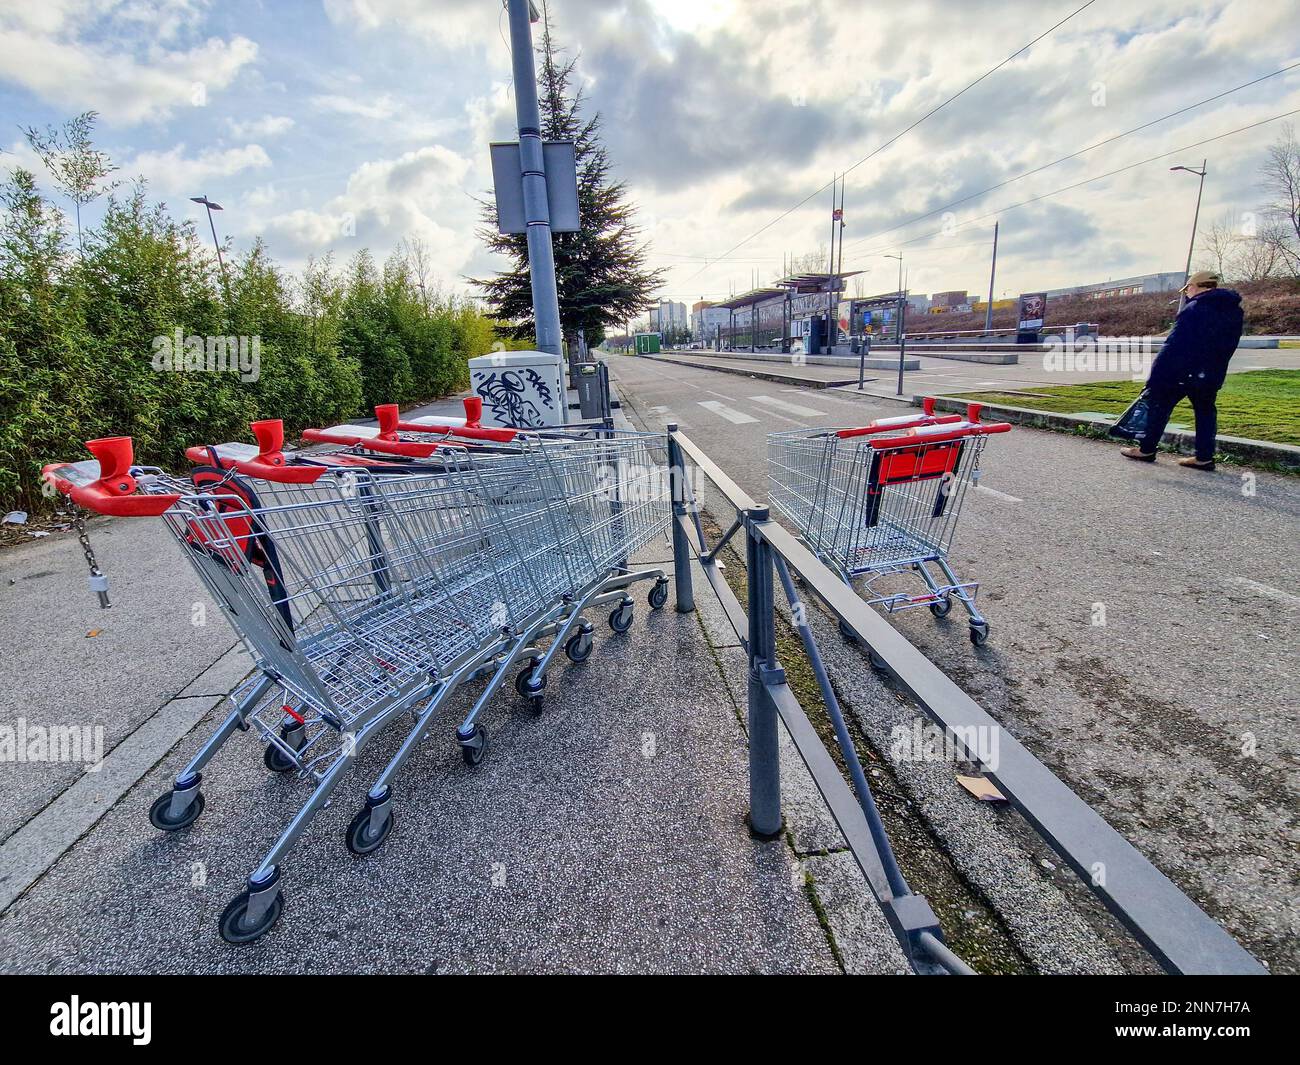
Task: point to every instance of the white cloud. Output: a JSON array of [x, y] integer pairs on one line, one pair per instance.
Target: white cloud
[[265, 127], [417, 194], [82, 56], [173, 171], [380, 108]]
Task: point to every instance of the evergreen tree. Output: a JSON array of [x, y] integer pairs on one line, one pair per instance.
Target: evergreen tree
[[600, 271]]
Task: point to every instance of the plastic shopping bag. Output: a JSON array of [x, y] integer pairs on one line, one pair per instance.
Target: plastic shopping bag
[[1132, 424]]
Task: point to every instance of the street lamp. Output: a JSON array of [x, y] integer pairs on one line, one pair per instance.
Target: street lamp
[[213, 206], [1182, 296], [899, 257]]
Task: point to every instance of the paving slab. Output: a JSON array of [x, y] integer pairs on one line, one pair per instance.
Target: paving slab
[[161, 632], [605, 835]]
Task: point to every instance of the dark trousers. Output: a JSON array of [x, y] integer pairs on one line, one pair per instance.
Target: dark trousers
[[1161, 405]]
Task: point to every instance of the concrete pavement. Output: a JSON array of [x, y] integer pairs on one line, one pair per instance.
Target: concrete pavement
[[1142, 639]]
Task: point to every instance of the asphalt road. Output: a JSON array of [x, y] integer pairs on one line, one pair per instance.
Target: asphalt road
[[1143, 630]]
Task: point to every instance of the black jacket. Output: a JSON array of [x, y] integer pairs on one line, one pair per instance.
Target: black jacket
[[1198, 348]]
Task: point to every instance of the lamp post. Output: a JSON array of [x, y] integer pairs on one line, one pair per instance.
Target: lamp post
[[899, 257], [1196, 218], [212, 206]]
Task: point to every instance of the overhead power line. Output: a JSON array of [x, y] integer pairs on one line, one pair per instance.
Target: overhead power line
[[901, 133], [1079, 184], [1072, 155]]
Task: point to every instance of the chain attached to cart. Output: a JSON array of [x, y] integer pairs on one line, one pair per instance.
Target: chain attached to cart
[[98, 580]]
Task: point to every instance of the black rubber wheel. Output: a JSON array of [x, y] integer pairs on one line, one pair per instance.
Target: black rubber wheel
[[158, 812], [848, 633], [276, 760], [941, 608], [621, 618], [578, 648], [232, 925], [979, 633], [474, 755], [358, 837], [876, 661], [658, 595], [521, 681]]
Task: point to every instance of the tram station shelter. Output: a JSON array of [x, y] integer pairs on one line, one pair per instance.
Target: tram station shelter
[[803, 309]]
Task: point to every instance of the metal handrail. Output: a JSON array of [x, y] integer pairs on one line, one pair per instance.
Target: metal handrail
[[1177, 933]]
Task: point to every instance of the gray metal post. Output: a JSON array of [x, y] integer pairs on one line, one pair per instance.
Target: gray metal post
[[764, 754], [541, 255], [988, 313], [685, 590], [902, 338]]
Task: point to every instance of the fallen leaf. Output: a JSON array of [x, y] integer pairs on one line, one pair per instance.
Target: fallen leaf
[[93, 632]]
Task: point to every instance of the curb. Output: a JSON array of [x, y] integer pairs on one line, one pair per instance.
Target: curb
[[1237, 448], [761, 375]]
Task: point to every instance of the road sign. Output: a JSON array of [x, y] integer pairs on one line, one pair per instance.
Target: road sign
[[561, 165]]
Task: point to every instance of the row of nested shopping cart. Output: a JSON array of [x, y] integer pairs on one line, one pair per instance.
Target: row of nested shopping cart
[[375, 576]]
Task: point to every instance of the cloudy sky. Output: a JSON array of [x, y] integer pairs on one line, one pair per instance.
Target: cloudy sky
[[352, 123]]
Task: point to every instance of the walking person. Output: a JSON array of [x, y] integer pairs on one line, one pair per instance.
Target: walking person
[[1192, 364]]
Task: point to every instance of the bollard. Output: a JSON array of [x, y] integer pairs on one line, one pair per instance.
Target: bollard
[[764, 754], [685, 590]]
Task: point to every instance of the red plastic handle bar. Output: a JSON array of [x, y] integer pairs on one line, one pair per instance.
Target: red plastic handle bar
[[390, 424], [926, 439], [270, 464], [407, 448], [114, 492]]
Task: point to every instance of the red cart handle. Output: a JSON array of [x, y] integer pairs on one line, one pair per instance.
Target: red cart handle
[[270, 464], [406, 448], [390, 424], [939, 434], [907, 421], [113, 492]]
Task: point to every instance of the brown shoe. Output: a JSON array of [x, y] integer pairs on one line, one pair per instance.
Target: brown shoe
[[1137, 454], [1197, 464]]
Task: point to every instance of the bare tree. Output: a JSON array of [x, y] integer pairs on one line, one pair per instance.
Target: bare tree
[[79, 168], [1219, 246], [1281, 183], [415, 253]]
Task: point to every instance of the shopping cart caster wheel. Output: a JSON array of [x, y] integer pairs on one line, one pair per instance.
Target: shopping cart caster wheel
[[658, 595], [979, 632], [276, 760], [941, 608], [578, 648], [522, 687], [160, 813], [620, 620], [475, 753], [234, 927], [360, 839]]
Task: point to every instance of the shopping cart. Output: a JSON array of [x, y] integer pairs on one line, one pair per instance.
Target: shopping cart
[[364, 596], [885, 499]]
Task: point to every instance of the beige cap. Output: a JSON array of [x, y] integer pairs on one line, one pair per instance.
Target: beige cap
[[1202, 277]]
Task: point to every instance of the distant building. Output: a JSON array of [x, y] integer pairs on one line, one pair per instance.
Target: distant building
[[669, 315], [949, 301], [1125, 286], [706, 319]]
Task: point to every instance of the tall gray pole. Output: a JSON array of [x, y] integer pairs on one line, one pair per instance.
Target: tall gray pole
[[988, 313], [1196, 220], [830, 274], [541, 256]]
